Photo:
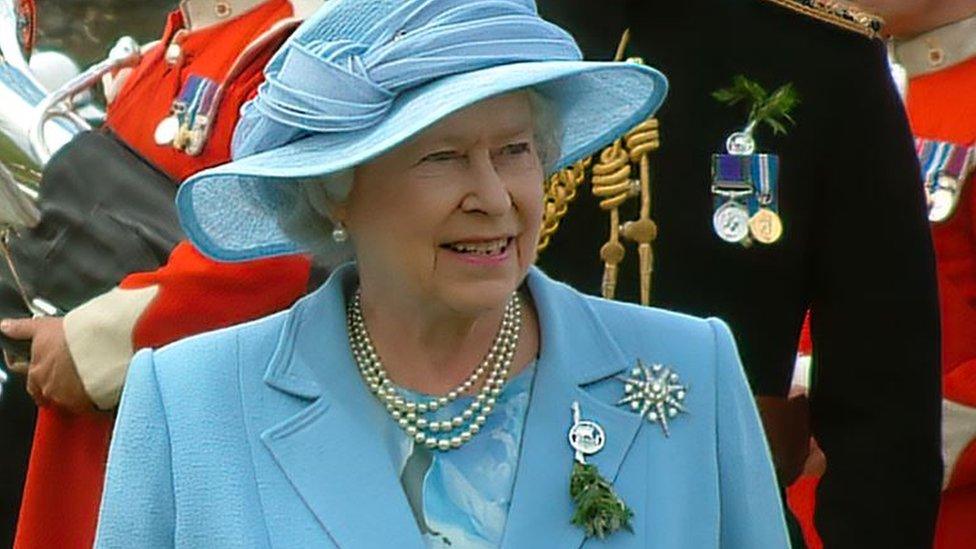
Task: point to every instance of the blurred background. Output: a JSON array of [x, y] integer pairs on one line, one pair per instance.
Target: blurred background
[[86, 29]]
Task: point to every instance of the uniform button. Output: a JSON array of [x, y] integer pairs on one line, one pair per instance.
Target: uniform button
[[173, 53], [222, 9], [936, 55]]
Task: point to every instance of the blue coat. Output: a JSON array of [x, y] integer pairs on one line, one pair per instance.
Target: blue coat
[[264, 435]]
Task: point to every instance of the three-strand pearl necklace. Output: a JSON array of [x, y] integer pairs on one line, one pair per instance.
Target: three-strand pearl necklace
[[412, 416]]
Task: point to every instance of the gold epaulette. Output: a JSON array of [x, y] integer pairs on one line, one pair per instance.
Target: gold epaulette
[[838, 13]]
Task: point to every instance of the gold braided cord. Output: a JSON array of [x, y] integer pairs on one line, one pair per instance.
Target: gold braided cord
[[611, 176], [644, 139], [641, 141], [611, 181], [560, 193]]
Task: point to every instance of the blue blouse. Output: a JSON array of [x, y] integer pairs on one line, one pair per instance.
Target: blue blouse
[[460, 498]]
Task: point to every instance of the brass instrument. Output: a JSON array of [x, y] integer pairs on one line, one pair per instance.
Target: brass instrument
[[20, 91], [611, 180], [34, 124], [60, 103]]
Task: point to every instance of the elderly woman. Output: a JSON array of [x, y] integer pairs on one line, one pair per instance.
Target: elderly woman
[[440, 391]]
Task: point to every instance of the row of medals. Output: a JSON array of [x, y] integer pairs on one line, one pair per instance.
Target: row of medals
[[731, 220], [174, 130], [171, 131], [733, 224]]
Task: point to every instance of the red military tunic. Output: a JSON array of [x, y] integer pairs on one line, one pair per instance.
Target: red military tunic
[[228, 42], [942, 106]]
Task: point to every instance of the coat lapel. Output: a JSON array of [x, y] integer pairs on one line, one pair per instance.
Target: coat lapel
[[333, 451], [576, 351], [330, 440]]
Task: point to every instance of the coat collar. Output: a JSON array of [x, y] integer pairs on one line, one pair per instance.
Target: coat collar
[[334, 453]]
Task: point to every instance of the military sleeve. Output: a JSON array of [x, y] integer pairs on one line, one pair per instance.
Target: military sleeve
[[189, 295], [875, 320]]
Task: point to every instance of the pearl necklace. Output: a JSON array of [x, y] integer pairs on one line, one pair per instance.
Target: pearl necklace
[[411, 415]]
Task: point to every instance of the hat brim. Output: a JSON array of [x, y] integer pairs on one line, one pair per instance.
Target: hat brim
[[596, 102]]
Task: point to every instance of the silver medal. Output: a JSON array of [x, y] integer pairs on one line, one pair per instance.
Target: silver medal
[[942, 200], [740, 143], [166, 130], [731, 222]]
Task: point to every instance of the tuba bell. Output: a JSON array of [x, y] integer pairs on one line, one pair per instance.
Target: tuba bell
[[20, 92], [35, 123]]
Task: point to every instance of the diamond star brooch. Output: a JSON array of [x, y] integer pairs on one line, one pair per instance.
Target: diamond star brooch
[[655, 392]]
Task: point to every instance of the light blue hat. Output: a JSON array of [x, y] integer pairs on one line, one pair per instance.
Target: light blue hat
[[362, 76]]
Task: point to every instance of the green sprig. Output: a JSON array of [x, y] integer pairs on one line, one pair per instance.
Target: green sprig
[[774, 110], [599, 511]]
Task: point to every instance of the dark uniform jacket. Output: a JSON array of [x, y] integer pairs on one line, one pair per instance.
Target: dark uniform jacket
[[856, 249]]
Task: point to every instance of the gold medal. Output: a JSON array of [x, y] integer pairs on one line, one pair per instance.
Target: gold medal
[[766, 226], [182, 138], [197, 135]]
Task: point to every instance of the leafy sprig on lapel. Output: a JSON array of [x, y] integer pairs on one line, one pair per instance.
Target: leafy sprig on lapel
[[599, 510], [774, 110]]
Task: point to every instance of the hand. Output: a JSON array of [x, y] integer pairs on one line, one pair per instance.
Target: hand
[[816, 464], [787, 424], [52, 377]]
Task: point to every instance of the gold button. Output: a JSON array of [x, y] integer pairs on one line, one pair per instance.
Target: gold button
[[222, 9]]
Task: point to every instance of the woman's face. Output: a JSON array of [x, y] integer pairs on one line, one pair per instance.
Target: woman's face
[[452, 217]]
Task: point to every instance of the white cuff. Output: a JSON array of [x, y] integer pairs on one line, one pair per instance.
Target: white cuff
[[958, 432], [99, 336]]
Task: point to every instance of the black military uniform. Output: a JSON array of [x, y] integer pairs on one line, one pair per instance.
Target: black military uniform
[[856, 249]]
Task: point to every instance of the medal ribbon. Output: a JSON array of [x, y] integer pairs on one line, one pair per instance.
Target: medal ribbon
[[751, 174], [198, 95], [939, 158], [766, 173], [182, 102]]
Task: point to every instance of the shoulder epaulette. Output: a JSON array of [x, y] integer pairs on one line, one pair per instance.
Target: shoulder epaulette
[[837, 13]]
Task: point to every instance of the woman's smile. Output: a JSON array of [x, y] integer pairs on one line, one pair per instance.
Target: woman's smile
[[483, 252]]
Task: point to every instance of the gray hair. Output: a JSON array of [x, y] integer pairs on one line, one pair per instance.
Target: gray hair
[[308, 222]]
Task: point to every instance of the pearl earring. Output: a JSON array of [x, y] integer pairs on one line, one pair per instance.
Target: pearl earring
[[339, 233]]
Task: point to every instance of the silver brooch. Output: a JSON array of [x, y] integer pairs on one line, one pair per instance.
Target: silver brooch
[[655, 392], [585, 436]]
